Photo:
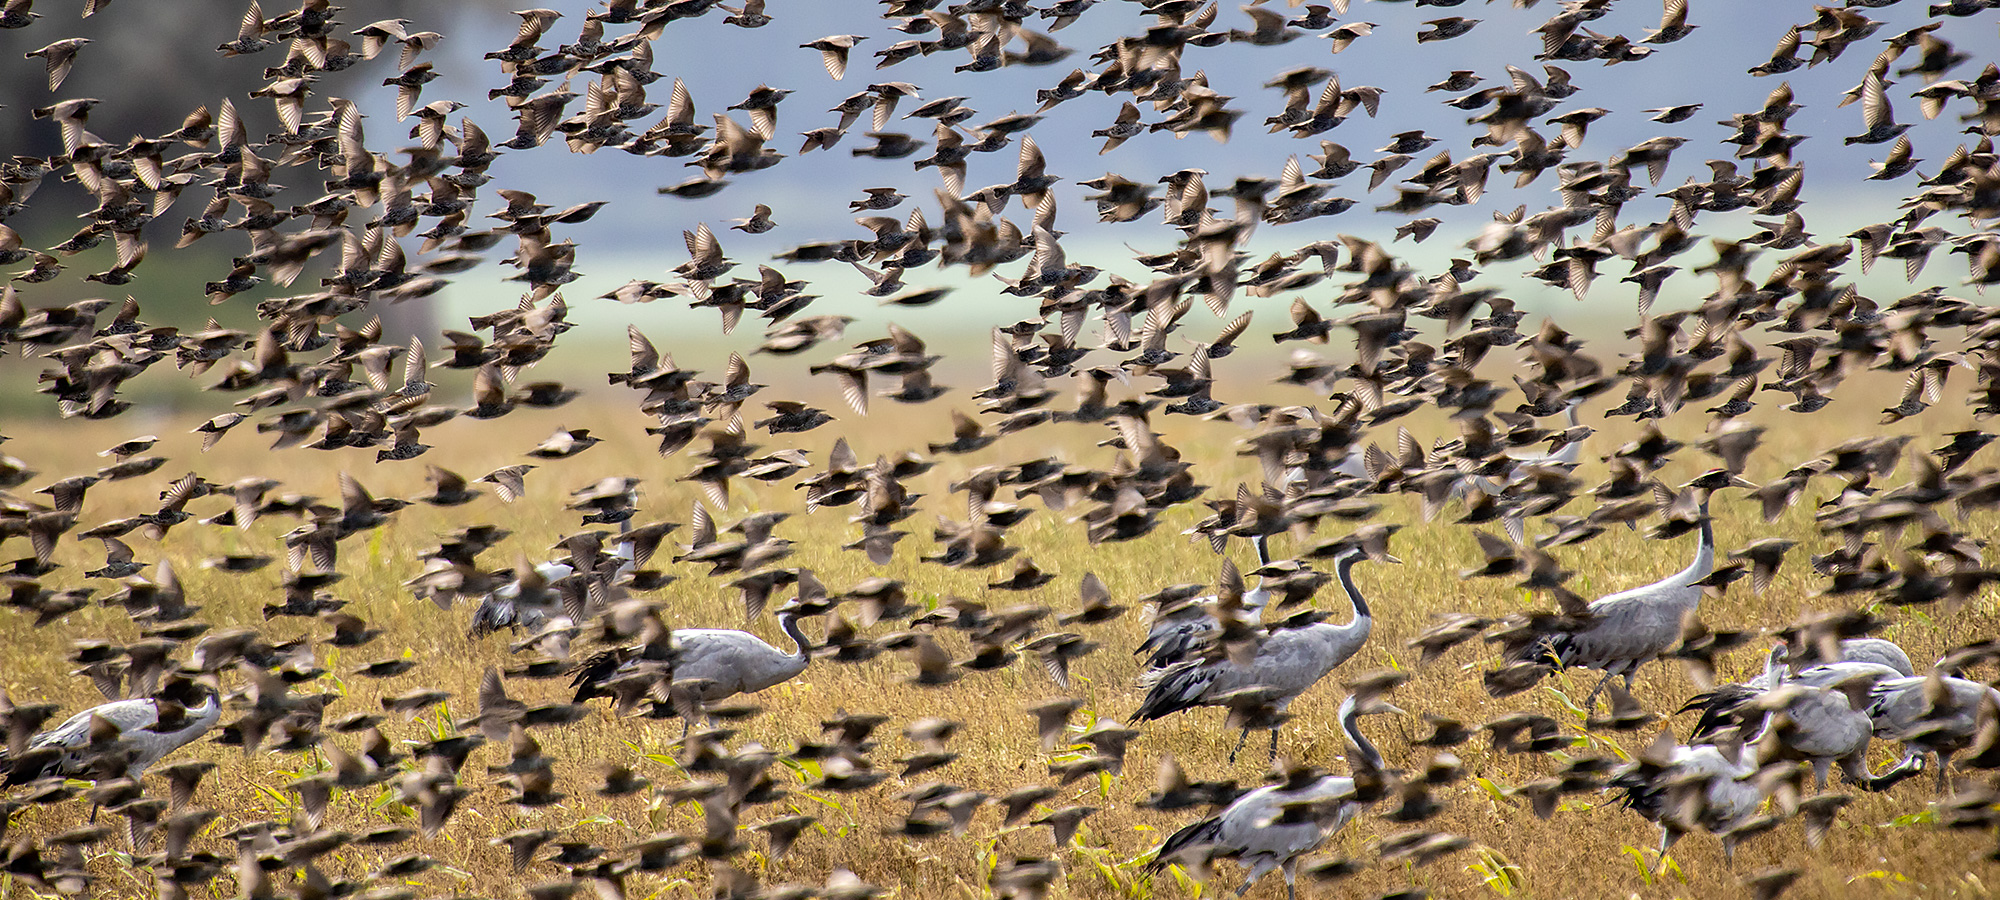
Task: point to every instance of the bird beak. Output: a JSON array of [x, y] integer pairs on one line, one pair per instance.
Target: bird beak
[[1391, 558]]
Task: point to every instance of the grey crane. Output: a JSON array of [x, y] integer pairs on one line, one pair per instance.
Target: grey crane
[[1682, 787], [709, 664], [1630, 628], [118, 738], [504, 606], [1937, 715], [1255, 828], [518, 604], [1723, 707], [1287, 663], [1822, 717], [1180, 632], [1879, 651]]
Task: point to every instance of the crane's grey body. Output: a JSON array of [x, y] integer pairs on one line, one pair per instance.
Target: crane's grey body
[[737, 662], [1824, 725], [504, 607], [1879, 651], [708, 664], [1859, 658], [1870, 651], [134, 720], [1248, 830], [1631, 628], [1730, 798], [1727, 799], [1288, 662], [1721, 707], [1566, 458], [1181, 635], [1901, 711]]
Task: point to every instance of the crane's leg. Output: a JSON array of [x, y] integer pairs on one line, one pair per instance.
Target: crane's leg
[[1291, 871], [1261, 869], [1274, 745], [1944, 765], [685, 724], [1590, 702], [1239, 744], [1820, 767], [1854, 770]]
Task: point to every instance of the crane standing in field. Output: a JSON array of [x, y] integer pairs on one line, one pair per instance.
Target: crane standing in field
[[1563, 458], [1878, 651], [1733, 705], [1257, 830], [1820, 715], [1936, 715], [1683, 787], [1628, 629], [122, 738], [528, 603], [1286, 662], [703, 664]]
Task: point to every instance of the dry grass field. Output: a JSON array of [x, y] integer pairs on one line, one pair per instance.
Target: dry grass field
[[345, 219], [1882, 846]]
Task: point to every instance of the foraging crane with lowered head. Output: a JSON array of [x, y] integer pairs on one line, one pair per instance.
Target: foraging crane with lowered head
[[122, 738], [1256, 829]]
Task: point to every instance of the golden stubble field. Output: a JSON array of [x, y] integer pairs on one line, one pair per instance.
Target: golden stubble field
[[1590, 848]]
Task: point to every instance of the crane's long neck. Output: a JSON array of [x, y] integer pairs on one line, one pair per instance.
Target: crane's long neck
[[790, 624], [1704, 551], [1774, 668], [205, 715], [1260, 597], [1366, 756], [1345, 570]]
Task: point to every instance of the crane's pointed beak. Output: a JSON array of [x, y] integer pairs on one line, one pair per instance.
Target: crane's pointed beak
[[1392, 558]]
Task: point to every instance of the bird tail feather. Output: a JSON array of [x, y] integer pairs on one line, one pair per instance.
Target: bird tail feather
[[1205, 831], [592, 672], [1172, 689]]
